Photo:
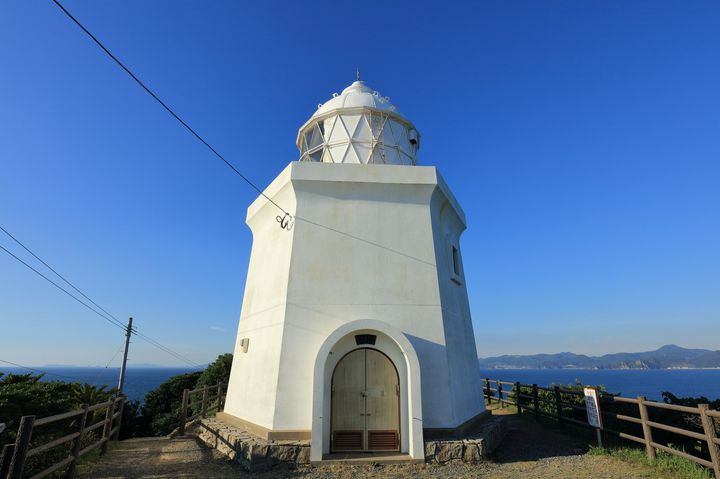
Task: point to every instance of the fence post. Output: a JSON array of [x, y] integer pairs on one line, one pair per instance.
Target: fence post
[[500, 394], [711, 435], [120, 417], [22, 444], [77, 443], [536, 402], [647, 430], [558, 404], [7, 454], [204, 401], [107, 427], [517, 398], [183, 411], [220, 397], [487, 391]]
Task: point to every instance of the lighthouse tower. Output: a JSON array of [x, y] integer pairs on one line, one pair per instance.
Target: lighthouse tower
[[355, 331]]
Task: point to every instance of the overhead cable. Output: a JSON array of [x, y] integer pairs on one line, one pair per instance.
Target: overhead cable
[[118, 325], [107, 316], [41, 371], [286, 223]]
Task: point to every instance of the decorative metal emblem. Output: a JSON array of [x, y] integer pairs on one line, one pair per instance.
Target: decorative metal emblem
[[286, 222]]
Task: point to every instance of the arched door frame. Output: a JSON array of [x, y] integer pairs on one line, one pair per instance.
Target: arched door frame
[[408, 369], [400, 391]]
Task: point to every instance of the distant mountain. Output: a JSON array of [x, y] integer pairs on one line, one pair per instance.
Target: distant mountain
[[667, 357]]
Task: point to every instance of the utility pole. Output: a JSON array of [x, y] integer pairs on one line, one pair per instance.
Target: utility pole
[[128, 332]]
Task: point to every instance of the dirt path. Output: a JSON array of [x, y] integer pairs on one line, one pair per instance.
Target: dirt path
[[528, 451]]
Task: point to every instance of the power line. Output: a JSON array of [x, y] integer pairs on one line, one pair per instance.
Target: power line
[[97, 376], [64, 290], [166, 349], [112, 319], [59, 275], [41, 371], [169, 110]]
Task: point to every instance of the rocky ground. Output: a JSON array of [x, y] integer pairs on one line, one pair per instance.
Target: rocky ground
[[528, 451]]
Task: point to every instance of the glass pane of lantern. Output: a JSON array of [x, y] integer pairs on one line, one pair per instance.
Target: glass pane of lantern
[[389, 133], [328, 124], [351, 156], [364, 151], [317, 156], [338, 132], [338, 152], [377, 122], [351, 123], [326, 157], [363, 131], [378, 154], [400, 133], [391, 156], [316, 139]]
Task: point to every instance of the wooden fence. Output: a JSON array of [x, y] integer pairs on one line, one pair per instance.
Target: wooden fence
[[192, 398], [548, 402], [14, 456]]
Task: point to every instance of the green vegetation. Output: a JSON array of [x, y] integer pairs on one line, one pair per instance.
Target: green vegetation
[[26, 394], [673, 466], [160, 412], [677, 466], [690, 422]]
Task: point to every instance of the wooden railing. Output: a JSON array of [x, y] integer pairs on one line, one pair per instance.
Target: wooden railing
[[14, 456], [202, 397], [529, 400]]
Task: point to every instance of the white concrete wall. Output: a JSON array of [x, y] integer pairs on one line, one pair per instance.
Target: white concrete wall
[[465, 390], [252, 390], [367, 245]]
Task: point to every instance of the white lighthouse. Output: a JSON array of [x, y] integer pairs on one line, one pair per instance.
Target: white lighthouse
[[355, 330]]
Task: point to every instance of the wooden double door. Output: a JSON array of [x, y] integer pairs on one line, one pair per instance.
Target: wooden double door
[[365, 403]]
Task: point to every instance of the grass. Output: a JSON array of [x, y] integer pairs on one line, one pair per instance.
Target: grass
[[674, 466], [668, 464]]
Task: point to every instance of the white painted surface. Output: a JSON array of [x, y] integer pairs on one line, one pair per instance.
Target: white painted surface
[[358, 126], [371, 250]]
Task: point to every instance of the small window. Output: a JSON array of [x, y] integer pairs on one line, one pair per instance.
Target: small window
[[365, 339], [456, 261]]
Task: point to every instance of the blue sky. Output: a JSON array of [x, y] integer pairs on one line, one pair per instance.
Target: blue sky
[[581, 138]]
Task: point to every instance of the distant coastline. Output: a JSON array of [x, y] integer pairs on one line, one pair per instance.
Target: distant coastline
[[667, 357], [514, 368]]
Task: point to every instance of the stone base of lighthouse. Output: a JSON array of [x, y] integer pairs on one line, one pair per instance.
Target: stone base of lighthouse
[[355, 330]]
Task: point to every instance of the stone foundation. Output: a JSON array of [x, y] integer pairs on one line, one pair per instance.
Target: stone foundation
[[256, 454], [474, 446], [251, 452]]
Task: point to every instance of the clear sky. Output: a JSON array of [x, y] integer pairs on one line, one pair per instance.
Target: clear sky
[[581, 138]]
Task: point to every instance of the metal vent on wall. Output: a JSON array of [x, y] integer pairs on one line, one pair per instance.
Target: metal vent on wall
[[383, 441], [347, 440], [365, 339]]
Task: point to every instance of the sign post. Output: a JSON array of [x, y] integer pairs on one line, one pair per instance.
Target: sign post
[[592, 405]]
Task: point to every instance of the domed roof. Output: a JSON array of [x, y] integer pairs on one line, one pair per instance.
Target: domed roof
[[358, 126], [357, 95]]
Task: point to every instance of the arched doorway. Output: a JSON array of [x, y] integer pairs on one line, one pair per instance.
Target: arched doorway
[[365, 405]]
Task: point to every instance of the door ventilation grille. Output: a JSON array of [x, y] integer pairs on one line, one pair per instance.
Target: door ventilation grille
[[383, 441], [347, 440]]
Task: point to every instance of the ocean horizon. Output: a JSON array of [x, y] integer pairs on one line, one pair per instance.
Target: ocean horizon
[[650, 383]]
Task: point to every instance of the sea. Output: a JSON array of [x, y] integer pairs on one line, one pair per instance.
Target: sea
[[138, 381], [650, 383], [630, 383]]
